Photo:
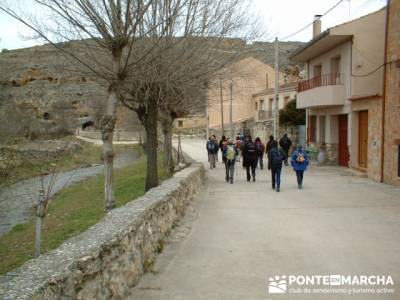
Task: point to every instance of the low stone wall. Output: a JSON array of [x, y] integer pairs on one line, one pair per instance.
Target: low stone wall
[[119, 135], [107, 260]]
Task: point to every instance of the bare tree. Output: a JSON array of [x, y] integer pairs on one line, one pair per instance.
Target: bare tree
[[42, 202], [105, 35], [193, 46]]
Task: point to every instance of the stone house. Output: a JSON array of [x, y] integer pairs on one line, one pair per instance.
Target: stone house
[[391, 130], [235, 85], [343, 93]]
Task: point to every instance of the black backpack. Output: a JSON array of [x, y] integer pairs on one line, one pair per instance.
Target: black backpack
[[251, 149]]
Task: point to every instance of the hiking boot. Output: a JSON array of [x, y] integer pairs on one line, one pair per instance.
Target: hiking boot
[[278, 190], [254, 179]]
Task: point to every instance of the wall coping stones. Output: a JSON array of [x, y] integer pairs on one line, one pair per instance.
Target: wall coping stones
[[106, 260]]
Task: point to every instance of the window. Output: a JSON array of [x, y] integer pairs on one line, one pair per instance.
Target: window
[[270, 104], [286, 101], [335, 65], [262, 105], [256, 105], [317, 70], [180, 123]]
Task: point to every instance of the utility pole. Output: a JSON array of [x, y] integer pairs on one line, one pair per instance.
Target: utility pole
[[276, 102], [222, 104], [230, 108]]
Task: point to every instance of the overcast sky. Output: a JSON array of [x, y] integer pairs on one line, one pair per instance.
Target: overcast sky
[[280, 18]]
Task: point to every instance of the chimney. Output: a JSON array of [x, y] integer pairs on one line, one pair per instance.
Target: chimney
[[317, 25]]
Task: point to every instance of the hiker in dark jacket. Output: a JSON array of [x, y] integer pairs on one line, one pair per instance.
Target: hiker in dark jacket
[[277, 157], [230, 154], [268, 149], [250, 158], [299, 161], [285, 144], [222, 144]]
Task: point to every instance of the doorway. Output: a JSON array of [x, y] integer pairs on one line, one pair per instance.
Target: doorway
[[363, 139], [343, 148]]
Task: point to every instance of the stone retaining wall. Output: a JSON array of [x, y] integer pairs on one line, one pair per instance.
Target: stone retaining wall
[[105, 261]]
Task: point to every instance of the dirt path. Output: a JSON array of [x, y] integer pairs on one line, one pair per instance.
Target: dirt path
[[16, 200]]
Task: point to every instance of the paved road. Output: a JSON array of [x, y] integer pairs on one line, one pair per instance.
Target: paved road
[[235, 237], [16, 201]]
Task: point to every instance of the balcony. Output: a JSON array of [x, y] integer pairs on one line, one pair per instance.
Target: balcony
[[321, 91], [264, 115]]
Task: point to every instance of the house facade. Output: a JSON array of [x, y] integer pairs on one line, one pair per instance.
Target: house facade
[[264, 110], [230, 93], [264, 101], [391, 131], [343, 93]]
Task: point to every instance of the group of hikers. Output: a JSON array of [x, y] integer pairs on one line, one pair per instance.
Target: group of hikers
[[252, 154]]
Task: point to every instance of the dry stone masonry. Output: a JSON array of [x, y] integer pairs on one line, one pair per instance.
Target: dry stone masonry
[[107, 259]]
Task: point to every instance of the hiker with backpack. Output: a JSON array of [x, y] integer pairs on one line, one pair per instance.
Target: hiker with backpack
[[250, 158], [212, 151], [268, 149], [230, 154], [299, 161], [285, 144], [260, 152], [276, 157]]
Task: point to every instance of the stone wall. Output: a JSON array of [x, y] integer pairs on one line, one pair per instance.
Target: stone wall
[[108, 259]]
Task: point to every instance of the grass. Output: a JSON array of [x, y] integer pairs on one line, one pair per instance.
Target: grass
[[88, 155], [73, 210]]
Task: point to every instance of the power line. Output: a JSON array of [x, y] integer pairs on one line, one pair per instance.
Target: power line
[[305, 27], [373, 71]]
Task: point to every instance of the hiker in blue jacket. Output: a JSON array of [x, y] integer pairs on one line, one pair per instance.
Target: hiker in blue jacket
[[299, 161]]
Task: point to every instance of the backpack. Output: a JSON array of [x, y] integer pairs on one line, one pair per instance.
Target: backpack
[[284, 143], [252, 148], [276, 156], [260, 149], [210, 146], [230, 152], [300, 158]]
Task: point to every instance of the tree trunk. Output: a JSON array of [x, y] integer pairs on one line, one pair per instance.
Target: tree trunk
[[107, 130], [38, 235], [167, 124], [150, 124]]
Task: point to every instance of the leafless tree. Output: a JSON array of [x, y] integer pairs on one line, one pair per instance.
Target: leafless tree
[[193, 46], [102, 38]]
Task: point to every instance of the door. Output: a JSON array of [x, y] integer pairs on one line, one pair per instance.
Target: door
[[343, 148], [363, 138]]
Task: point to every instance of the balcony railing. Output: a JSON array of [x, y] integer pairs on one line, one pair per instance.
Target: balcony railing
[[322, 80], [264, 115]]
